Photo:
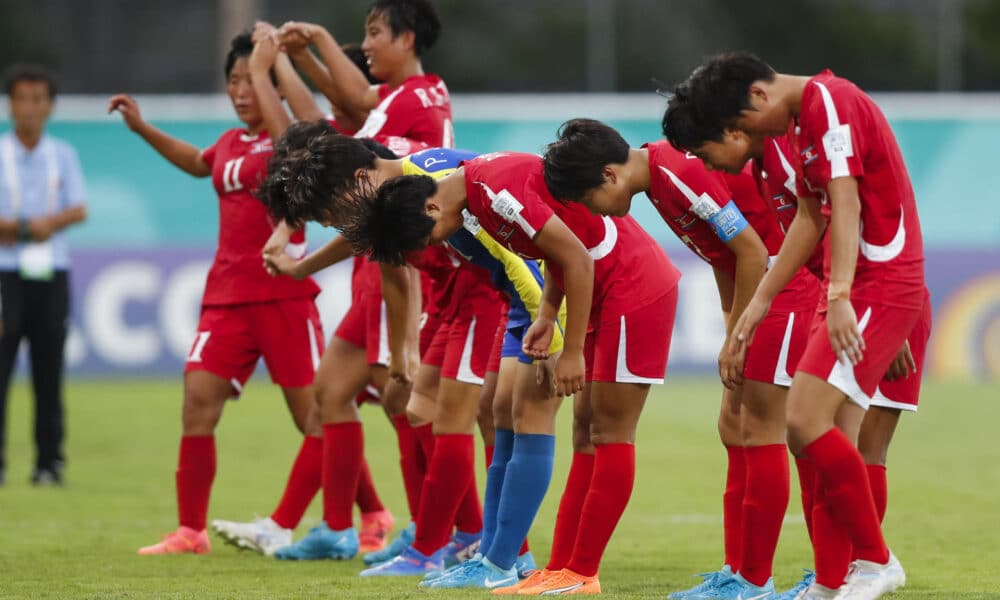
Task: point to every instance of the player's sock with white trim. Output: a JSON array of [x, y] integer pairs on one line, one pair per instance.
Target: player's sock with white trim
[[525, 483]]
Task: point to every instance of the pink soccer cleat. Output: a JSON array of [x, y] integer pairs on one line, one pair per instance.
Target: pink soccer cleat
[[375, 528], [182, 541]]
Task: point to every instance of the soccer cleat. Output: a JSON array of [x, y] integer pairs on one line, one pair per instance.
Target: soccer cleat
[[817, 592], [461, 547], [394, 549], [183, 541], [562, 582], [808, 578], [480, 574], [375, 528], [749, 591], [453, 569], [530, 580], [260, 535], [47, 477], [710, 582], [322, 542], [867, 580], [525, 565], [410, 562]]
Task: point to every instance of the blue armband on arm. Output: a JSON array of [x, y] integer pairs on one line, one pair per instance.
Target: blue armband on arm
[[728, 222]]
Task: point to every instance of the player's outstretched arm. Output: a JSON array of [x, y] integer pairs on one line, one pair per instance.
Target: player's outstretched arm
[[262, 59], [186, 157], [403, 320], [331, 253], [340, 80], [845, 223], [800, 241]]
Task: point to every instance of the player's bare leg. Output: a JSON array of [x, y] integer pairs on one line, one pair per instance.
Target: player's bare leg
[[205, 396]]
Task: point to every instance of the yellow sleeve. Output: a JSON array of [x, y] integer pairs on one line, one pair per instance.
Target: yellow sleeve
[[528, 288]]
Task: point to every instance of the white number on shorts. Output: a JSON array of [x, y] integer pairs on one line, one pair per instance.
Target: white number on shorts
[[199, 345], [231, 175]]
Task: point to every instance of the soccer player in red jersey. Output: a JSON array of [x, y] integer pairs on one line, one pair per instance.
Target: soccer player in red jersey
[[728, 149], [245, 314], [724, 220], [853, 183], [411, 110], [616, 279]]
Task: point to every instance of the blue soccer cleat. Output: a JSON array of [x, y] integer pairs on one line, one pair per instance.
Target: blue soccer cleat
[[409, 563], [525, 565], [711, 582], [475, 574], [394, 549], [322, 542], [808, 578], [749, 591], [452, 569], [461, 547]]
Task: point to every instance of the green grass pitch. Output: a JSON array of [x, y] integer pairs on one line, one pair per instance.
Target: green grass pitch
[[80, 542]]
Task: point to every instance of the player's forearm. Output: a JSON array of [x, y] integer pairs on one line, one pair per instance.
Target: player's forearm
[[297, 94], [750, 268], [184, 156], [551, 300], [329, 254], [845, 218], [800, 242], [579, 281], [396, 293], [276, 120], [349, 83]]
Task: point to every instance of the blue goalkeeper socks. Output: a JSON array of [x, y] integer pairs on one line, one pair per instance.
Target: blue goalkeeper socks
[[528, 474], [503, 447]]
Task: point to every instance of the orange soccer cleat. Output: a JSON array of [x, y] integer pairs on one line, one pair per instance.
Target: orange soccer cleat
[[184, 540], [534, 578], [562, 582], [375, 529]]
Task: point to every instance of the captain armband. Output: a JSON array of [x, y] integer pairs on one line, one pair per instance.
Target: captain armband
[[728, 222]]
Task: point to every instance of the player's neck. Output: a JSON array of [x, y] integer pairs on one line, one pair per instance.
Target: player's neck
[[637, 169], [412, 68], [451, 193], [386, 169], [29, 138], [790, 88], [255, 128]]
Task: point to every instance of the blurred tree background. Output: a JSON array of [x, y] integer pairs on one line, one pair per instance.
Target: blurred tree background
[[101, 46]]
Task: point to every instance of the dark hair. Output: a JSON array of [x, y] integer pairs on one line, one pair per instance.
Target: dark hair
[[418, 16], [574, 164], [378, 149], [357, 56], [311, 172], [391, 222], [712, 98], [32, 73], [239, 47]]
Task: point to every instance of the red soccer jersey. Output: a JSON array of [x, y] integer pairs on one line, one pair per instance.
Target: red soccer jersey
[[842, 133], [411, 117], [776, 176], [239, 162], [507, 192]]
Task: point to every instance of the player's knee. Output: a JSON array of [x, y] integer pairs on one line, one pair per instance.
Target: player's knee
[[201, 413], [581, 440]]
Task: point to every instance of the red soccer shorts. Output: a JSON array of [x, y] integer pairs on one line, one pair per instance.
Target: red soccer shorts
[[883, 327], [905, 393], [429, 324], [471, 334], [230, 340], [777, 346], [632, 345], [365, 326], [496, 351]]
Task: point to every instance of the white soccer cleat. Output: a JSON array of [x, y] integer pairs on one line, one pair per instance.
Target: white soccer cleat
[[261, 535], [817, 592], [868, 581]]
